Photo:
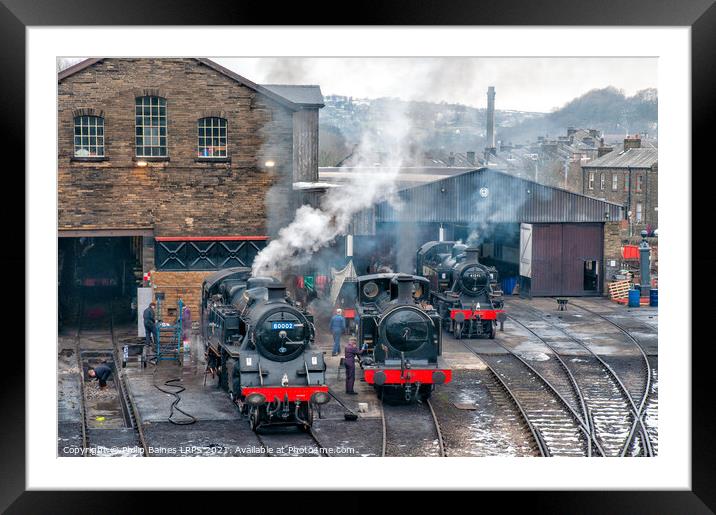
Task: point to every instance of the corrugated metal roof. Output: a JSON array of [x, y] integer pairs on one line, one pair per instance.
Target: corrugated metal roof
[[407, 176], [305, 95], [632, 158], [490, 196]]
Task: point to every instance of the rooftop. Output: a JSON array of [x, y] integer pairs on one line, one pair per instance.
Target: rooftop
[[293, 96], [632, 158]]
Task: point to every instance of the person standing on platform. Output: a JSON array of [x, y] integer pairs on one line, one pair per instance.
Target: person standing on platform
[[351, 352], [337, 326], [149, 322]]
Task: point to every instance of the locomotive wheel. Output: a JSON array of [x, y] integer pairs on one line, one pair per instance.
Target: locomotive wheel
[[493, 330]]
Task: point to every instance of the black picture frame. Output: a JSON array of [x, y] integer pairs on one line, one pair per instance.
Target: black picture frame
[[700, 15]]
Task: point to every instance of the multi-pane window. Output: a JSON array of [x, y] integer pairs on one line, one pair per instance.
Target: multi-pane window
[[212, 137], [638, 211], [626, 181], [601, 182], [89, 136], [151, 126], [591, 180], [639, 179], [615, 181]]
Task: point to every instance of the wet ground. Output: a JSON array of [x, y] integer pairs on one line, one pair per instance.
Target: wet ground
[[475, 415]]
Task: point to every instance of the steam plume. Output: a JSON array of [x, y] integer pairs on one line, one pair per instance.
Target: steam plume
[[313, 228]]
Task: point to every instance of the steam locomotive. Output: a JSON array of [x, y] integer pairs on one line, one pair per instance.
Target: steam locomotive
[[466, 293], [261, 344], [402, 337]]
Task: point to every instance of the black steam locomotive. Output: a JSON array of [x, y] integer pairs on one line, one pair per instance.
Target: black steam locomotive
[[262, 347], [466, 293], [401, 332]]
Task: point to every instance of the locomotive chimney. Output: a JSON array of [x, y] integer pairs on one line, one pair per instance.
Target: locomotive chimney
[[276, 292], [471, 255], [405, 288]]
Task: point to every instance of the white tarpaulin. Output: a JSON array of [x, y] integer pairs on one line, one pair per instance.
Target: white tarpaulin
[[339, 277], [144, 297], [526, 250]]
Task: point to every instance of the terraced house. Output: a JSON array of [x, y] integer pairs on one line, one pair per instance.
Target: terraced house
[[628, 176], [176, 167]]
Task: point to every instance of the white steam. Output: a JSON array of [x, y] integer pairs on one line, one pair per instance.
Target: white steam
[[313, 228]]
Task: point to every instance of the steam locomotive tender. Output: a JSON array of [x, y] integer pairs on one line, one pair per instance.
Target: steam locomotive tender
[[402, 336], [262, 346], [465, 292]]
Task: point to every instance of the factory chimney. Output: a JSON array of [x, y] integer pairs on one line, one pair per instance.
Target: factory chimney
[[491, 117]]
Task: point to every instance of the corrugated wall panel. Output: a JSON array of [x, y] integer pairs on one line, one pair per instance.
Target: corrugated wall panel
[[510, 199]]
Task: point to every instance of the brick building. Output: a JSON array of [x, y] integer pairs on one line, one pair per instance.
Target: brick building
[[176, 167], [628, 177]]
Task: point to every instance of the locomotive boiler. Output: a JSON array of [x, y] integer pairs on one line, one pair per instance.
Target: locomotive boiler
[[261, 345], [465, 292], [402, 336]]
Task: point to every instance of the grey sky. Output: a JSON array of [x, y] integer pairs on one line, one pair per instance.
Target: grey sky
[[529, 84]]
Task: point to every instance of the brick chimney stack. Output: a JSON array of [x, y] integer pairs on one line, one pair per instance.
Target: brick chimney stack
[[632, 142], [491, 117]]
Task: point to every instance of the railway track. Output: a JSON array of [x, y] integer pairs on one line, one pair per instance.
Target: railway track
[[553, 417], [618, 418], [83, 406], [100, 334], [411, 430], [129, 406], [292, 443]]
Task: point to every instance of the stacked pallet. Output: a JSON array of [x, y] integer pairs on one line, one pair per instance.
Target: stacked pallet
[[619, 290]]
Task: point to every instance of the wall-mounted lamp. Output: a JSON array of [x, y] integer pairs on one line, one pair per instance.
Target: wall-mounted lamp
[[269, 164], [141, 164]]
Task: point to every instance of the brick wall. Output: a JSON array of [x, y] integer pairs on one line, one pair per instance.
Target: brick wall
[[180, 196], [616, 235], [186, 285]]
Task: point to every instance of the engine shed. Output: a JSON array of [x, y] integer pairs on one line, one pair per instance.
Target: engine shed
[[172, 168], [550, 241]]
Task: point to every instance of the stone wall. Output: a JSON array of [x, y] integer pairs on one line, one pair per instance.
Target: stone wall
[[181, 195], [648, 196]]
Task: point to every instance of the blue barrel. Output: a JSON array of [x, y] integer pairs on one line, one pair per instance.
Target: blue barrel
[[654, 297], [634, 296], [508, 285]]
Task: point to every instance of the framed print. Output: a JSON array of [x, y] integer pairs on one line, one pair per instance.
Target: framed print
[[426, 245]]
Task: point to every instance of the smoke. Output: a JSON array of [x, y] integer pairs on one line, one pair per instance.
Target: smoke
[[314, 228]]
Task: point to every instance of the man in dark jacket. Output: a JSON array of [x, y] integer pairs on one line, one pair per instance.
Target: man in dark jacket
[[351, 352], [337, 327], [102, 373], [149, 322]]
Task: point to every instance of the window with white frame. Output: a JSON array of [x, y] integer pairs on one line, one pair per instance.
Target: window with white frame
[[639, 179], [212, 137], [151, 126], [638, 211], [89, 136], [601, 182], [591, 180], [615, 181]]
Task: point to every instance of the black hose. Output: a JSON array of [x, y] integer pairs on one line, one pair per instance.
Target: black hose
[[177, 400], [350, 415]]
